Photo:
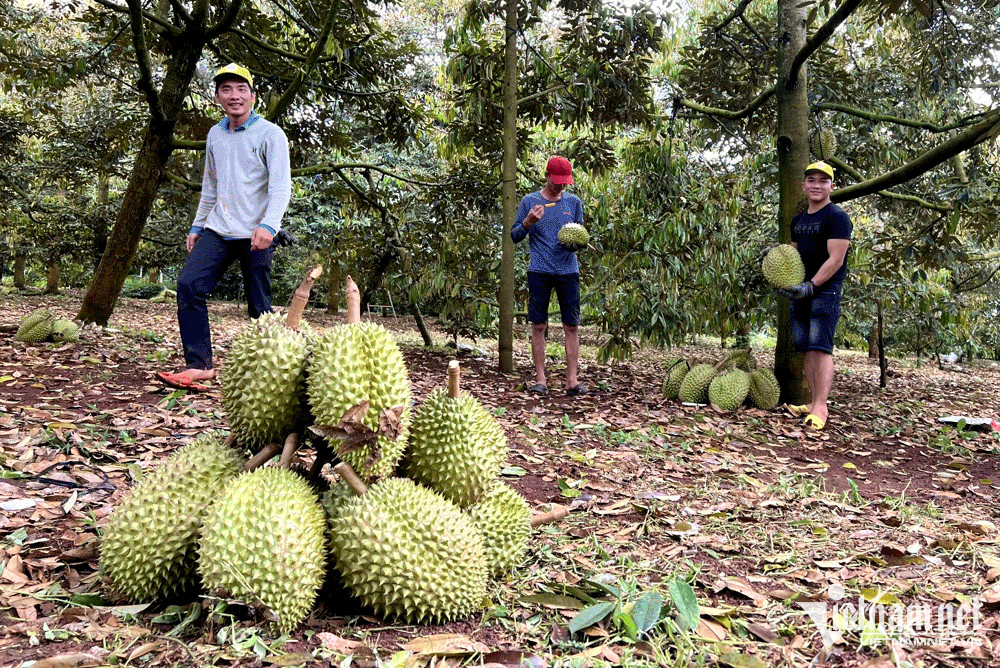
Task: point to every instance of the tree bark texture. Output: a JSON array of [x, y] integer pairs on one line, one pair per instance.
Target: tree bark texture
[[793, 156], [505, 337]]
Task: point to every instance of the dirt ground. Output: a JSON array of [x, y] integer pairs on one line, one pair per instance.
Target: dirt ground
[[759, 515]]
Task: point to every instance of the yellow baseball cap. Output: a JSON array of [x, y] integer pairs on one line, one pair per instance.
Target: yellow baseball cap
[[233, 70], [820, 167]]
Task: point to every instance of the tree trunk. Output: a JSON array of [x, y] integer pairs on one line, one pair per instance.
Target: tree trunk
[[100, 222], [20, 257], [883, 366], [419, 319], [793, 156], [52, 277], [873, 338], [144, 182], [505, 297]]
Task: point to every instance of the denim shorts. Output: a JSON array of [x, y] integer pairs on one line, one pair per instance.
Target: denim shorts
[[814, 320], [567, 287]]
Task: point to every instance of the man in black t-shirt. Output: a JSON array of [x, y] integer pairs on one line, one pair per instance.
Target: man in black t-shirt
[[822, 234]]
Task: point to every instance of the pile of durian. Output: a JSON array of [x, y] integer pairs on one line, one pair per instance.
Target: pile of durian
[[727, 384], [43, 325], [414, 527]]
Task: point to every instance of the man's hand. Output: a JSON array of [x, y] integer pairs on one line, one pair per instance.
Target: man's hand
[[800, 291], [192, 239], [261, 239], [533, 216]]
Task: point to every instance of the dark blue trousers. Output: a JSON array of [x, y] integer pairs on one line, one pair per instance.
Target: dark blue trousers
[[202, 271]]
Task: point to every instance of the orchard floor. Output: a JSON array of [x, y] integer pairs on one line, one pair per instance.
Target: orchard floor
[[764, 519]]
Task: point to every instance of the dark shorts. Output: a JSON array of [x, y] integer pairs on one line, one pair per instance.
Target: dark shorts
[[567, 287], [814, 321]]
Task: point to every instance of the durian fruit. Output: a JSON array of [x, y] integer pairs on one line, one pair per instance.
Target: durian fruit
[[573, 236], [456, 447], [36, 326], [65, 330], [409, 553], [264, 542], [823, 144], [729, 389], [764, 389], [694, 386], [782, 267], [149, 545], [741, 359], [677, 368], [335, 498], [504, 519], [263, 381], [354, 363]]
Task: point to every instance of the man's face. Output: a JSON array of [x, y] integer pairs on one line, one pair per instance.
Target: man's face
[[817, 186], [554, 187], [235, 97]]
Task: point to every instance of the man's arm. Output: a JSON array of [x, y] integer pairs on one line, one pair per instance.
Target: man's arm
[[208, 196], [837, 248], [279, 183]]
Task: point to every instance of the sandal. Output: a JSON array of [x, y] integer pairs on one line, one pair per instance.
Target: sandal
[[539, 389], [577, 390], [814, 421], [801, 409], [180, 381]]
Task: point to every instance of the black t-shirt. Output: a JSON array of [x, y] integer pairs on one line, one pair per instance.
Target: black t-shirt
[[811, 231]]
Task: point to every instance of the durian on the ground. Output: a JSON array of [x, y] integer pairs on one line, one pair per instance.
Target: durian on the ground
[[504, 519], [264, 542], [149, 545], [36, 326]]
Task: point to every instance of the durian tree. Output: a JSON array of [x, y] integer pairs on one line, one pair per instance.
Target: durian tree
[[901, 118]]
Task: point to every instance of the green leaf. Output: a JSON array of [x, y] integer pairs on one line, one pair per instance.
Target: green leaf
[[646, 611], [628, 624], [590, 616], [684, 599], [88, 599]]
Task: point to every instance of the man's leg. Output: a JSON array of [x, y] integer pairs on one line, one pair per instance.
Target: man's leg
[[539, 292], [538, 350], [568, 293], [572, 333], [205, 264], [256, 268], [819, 374]]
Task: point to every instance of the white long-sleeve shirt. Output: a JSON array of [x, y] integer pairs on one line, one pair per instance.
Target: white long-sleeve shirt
[[247, 181]]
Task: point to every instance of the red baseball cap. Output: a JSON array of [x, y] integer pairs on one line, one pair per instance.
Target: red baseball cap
[[559, 170]]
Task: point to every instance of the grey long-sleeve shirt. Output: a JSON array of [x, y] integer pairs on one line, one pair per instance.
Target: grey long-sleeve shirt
[[247, 181]]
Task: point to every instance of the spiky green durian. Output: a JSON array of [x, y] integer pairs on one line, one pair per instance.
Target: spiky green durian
[[335, 498], [504, 519], [694, 386], [264, 542], [149, 545], [573, 236], [677, 368], [36, 326], [782, 266], [823, 144], [728, 389], [764, 389], [410, 553], [263, 381], [741, 359], [65, 330], [355, 363], [456, 447]]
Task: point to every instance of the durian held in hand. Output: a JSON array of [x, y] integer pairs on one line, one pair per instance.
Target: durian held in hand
[[573, 237], [782, 267]]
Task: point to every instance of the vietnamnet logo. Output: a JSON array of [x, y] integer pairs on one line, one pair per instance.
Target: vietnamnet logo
[[879, 617]]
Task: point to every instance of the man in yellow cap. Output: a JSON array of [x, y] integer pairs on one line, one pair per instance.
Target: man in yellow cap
[[822, 235], [245, 190]]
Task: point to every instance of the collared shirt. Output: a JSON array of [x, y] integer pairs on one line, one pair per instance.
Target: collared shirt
[[224, 123]]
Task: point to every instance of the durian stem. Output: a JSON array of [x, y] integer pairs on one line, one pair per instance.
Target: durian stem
[[554, 515], [262, 457], [353, 302], [291, 445], [230, 439], [454, 379], [356, 484], [301, 298]]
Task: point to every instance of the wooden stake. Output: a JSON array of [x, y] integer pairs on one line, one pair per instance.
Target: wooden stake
[[301, 298], [353, 302], [262, 457], [356, 484], [557, 513], [454, 379], [291, 445]]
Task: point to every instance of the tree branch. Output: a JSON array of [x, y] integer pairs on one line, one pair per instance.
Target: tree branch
[[754, 105], [226, 22], [823, 33], [736, 13], [541, 93], [189, 144], [149, 16], [281, 105], [884, 118], [987, 129], [858, 177], [145, 82], [326, 168]]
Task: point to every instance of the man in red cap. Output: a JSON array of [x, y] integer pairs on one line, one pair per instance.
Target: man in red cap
[[822, 235], [552, 266], [245, 190]]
